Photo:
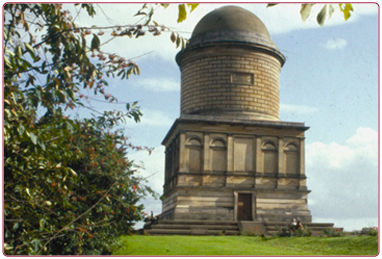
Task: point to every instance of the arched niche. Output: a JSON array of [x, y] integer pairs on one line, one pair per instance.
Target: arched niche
[[218, 151], [270, 157], [194, 150], [291, 158]]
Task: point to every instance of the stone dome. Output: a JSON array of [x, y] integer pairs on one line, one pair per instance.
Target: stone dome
[[232, 18], [233, 24]]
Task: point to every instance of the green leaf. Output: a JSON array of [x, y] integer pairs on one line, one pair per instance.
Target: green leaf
[[120, 73], [19, 51], [61, 96], [96, 43], [29, 48], [16, 225], [321, 16], [7, 247], [346, 9], [165, 5], [305, 11], [42, 223], [72, 171], [193, 6], [182, 13], [331, 10], [33, 137], [27, 190], [270, 5], [21, 129], [71, 94], [7, 62], [41, 144]]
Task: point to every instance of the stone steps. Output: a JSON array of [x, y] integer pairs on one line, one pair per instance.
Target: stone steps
[[192, 227], [179, 226], [209, 227], [190, 232], [199, 222]]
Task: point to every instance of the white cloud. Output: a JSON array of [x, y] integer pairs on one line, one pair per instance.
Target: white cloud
[[336, 44], [364, 137], [159, 84], [344, 178], [153, 166], [155, 118], [297, 109]]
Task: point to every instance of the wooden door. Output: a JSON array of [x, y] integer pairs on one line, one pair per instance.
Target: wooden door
[[244, 206]]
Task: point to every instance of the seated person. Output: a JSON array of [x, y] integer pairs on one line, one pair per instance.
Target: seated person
[[294, 225], [299, 225]]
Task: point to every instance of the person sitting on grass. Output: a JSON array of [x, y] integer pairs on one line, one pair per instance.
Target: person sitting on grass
[[293, 226], [299, 225]]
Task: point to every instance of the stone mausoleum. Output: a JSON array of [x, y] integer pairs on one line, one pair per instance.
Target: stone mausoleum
[[229, 157]]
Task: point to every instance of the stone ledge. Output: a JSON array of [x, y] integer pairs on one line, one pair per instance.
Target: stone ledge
[[217, 119]]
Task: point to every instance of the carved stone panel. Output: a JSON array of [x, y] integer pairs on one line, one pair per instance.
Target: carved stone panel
[[194, 151], [243, 154], [218, 156]]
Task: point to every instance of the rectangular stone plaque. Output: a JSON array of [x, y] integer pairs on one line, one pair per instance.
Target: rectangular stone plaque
[[242, 78]]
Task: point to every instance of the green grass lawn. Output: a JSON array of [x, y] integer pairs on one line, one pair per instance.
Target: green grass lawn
[[247, 245]]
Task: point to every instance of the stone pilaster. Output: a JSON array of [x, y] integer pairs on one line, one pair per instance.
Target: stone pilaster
[[302, 180], [259, 161], [182, 153]]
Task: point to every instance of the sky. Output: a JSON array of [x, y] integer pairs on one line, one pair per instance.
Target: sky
[[329, 82]]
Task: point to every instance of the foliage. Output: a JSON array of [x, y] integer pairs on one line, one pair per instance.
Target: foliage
[[68, 186], [325, 13], [286, 231], [302, 232], [369, 231], [283, 231], [246, 245], [333, 232]]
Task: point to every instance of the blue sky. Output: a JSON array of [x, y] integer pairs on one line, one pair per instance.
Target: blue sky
[[329, 82]]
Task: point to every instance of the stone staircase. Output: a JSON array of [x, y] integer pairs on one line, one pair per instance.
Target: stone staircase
[[209, 227], [192, 227]]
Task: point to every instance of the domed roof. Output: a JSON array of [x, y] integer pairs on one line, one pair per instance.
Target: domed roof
[[230, 18], [233, 25]]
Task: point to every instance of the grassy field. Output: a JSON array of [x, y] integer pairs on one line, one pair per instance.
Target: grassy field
[[247, 245]]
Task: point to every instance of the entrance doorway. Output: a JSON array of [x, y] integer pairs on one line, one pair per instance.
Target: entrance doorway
[[244, 206]]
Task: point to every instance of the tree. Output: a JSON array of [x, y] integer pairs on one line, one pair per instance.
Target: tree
[[68, 186]]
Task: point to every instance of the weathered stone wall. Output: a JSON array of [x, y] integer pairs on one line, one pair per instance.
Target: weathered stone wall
[[282, 206], [217, 161], [208, 203], [230, 82]]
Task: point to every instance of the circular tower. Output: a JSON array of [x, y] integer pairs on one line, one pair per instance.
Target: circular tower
[[231, 68]]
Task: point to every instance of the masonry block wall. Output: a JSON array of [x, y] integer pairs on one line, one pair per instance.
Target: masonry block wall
[[213, 167], [230, 82]]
